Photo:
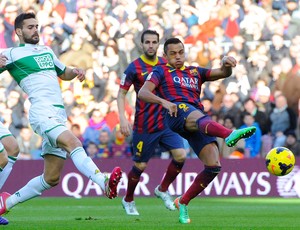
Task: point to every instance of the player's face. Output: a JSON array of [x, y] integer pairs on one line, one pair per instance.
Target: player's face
[[30, 32], [175, 55], [150, 45]]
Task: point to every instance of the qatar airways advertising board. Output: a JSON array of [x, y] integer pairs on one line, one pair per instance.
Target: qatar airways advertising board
[[242, 178]]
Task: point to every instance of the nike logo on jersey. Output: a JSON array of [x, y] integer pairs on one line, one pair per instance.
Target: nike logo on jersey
[[171, 70], [144, 73]]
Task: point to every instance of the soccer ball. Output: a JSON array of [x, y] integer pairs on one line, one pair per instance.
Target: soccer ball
[[280, 161]]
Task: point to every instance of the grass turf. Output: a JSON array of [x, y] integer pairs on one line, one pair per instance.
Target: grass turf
[[205, 213]]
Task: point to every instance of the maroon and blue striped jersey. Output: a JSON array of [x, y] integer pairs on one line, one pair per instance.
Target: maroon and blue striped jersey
[[179, 85], [148, 117]]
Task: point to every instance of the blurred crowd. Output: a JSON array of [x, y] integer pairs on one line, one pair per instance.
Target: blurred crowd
[[103, 36]]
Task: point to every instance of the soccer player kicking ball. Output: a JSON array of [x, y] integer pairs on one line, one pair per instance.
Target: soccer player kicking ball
[[36, 68], [179, 88], [149, 128]]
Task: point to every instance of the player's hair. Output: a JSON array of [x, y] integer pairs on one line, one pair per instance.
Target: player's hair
[[21, 17], [171, 41], [153, 32]]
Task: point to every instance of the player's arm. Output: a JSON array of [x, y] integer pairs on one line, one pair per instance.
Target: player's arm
[[125, 125], [224, 71], [146, 94], [71, 73]]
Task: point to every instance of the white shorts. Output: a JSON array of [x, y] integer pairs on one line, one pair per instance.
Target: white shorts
[[4, 132], [49, 127]]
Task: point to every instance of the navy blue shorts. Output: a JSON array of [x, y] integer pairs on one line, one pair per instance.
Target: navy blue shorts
[[197, 140], [145, 144]]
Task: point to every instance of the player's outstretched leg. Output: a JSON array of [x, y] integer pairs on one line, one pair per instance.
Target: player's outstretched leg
[[130, 208], [111, 184], [3, 198], [3, 221], [183, 211], [166, 197], [238, 134]]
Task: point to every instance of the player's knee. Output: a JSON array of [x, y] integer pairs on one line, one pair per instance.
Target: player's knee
[[3, 162], [52, 180], [213, 169], [141, 165], [180, 158], [14, 150], [11, 146]]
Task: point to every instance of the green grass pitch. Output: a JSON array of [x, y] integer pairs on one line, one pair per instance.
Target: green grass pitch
[[205, 213]]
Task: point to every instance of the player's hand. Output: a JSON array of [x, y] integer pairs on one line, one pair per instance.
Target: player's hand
[[125, 128], [171, 107], [228, 61], [3, 60], [80, 74]]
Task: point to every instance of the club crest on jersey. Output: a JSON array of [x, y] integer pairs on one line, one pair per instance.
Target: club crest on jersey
[[44, 61], [194, 72]]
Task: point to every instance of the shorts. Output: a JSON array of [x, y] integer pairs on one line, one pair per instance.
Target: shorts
[[4, 132], [49, 127], [177, 123], [144, 144], [197, 140]]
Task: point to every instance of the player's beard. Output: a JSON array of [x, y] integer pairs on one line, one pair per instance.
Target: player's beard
[[150, 56], [34, 39]]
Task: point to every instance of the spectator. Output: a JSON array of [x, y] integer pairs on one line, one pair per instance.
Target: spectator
[[112, 117], [16, 103], [278, 50], [226, 151], [97, 123], [292, 142], [291, 87], [119, 148], [29, 144], [104, 143], [237, 154], [75, 128], [92, 150], [282, 119], [253, 143], [259, 116], [229, 108]]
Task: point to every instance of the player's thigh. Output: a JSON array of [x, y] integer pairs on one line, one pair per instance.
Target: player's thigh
[[209, 155], [191, 121], [67, 140]]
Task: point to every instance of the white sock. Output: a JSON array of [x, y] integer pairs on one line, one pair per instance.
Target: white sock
[[87, 167], [32, 189], [6, 171]]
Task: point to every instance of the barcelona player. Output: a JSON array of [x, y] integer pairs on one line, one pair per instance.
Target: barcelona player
[[149, 128], [179, 88]]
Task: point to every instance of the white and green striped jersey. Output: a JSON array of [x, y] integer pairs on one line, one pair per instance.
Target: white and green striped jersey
[[35, 68]]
